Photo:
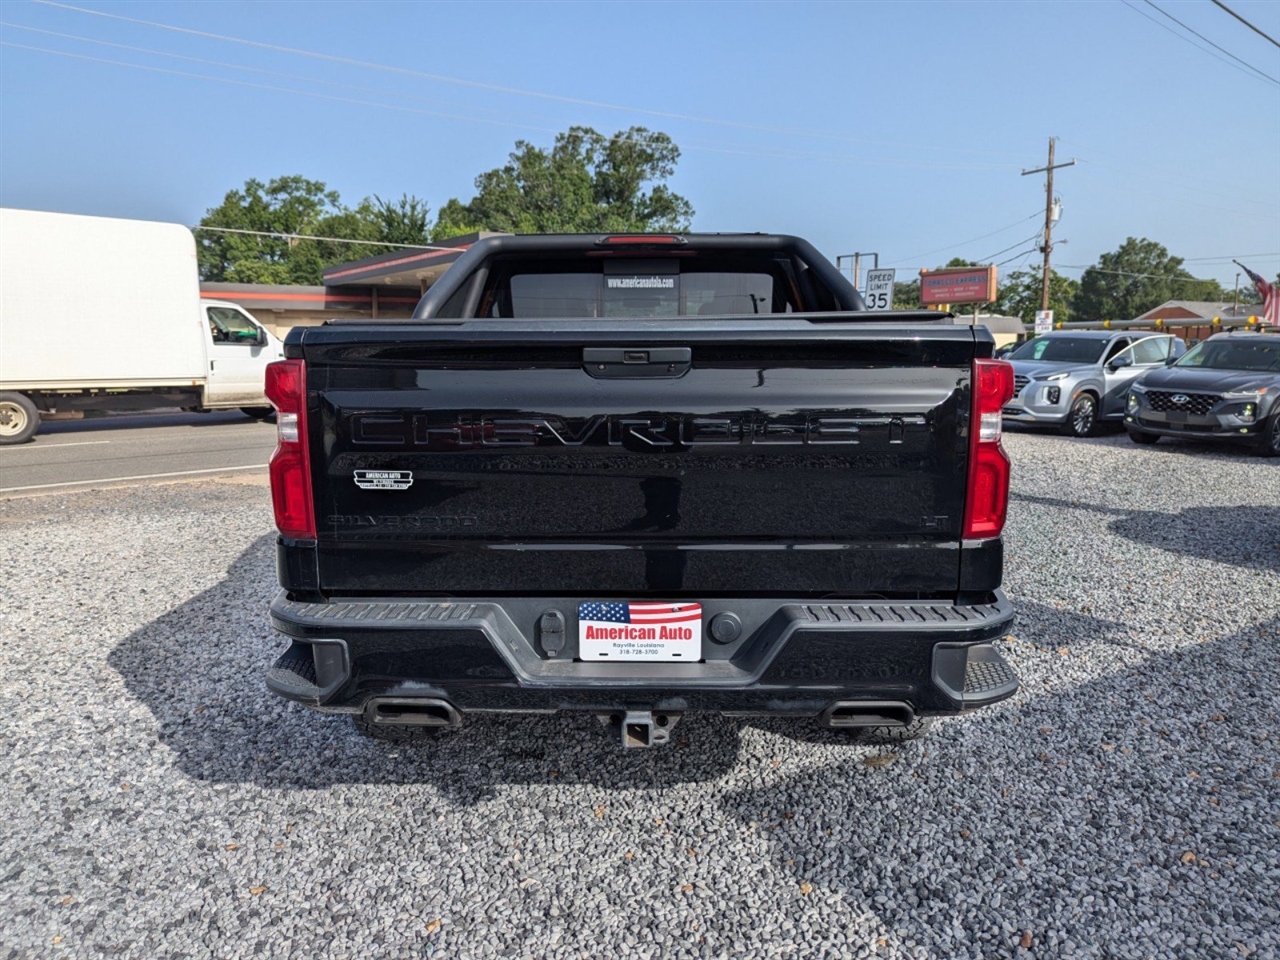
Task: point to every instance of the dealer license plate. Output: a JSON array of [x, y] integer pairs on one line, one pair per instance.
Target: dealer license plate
[[621, 631]]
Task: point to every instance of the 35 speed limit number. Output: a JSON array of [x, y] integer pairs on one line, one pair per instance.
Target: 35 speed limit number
[[879, 294]]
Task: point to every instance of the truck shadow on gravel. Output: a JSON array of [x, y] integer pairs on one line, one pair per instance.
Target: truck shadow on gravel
[[1247, 537], [199, 669], [1127, 816]]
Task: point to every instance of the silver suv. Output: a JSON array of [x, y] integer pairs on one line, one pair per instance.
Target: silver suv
[[1073, 379]]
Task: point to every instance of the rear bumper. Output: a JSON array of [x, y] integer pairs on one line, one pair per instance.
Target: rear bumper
[[1036, 404], [1052, 416], [792, 658]]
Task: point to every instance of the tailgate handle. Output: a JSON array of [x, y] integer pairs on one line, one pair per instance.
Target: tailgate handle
[[636, 362]]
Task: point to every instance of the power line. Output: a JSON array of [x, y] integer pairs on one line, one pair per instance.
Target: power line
[[1182, 183], [1162, 26], [956, 246], [260, 70], [703, 145], [1244, 21], [309, 236], [1180, 36], [1165, 13], [992, 256], [264, 86], [1021, 253], [1125, 273], [1025, 256], [692, 144], [1238, 256], [497, 88], [375, 104]]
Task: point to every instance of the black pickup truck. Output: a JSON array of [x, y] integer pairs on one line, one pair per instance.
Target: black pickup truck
[[640, 475]]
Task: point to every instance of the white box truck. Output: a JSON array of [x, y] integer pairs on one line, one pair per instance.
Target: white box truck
[[105, 314]]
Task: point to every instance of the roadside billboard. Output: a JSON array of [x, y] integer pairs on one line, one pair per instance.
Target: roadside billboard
[[957, 285]]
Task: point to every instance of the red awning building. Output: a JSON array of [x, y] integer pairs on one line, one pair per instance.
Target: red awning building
[[387, 285]]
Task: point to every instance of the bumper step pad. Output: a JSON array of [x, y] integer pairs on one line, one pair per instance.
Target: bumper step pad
[[973, 675], [987, 672], [295, 670], [310, 672]]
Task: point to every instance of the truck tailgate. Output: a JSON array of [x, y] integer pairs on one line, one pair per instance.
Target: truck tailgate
[[639, 458]]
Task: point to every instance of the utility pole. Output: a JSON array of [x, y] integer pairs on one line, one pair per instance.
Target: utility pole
[[1048, 217], [857, 263]]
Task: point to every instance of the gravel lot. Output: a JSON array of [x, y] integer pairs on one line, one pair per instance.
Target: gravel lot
[[156, 801]]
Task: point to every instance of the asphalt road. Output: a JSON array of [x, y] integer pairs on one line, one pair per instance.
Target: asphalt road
[[137, 448]]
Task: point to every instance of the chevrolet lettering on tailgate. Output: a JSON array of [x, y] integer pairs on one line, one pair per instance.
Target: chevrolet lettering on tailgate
[[440, 432]]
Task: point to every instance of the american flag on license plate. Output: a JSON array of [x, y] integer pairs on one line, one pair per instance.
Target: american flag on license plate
[[647, 614]]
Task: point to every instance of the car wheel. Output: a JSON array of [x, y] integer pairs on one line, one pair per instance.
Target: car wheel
[[1139, 436], [19, 418], [258, 413], [1083, 418], [1269, 441]]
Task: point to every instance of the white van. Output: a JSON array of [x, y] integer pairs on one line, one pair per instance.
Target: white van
[[105, 314]]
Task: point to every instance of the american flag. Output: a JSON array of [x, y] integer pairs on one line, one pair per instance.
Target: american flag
[[1270, 296], [639, 613]]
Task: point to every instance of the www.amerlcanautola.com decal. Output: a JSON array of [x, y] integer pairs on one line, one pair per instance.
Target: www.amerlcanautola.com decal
[[384, 479]]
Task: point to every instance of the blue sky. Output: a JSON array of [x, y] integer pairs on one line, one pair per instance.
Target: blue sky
[[899, 128]]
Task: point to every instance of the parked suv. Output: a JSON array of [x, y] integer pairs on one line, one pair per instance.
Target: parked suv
[[1226, 388], [1074, 379]]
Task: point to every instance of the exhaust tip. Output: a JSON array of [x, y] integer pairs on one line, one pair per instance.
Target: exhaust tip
[[410, 712], [869, 713]]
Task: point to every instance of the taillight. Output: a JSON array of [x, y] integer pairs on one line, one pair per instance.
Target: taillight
[[987, 497], [290, 466]]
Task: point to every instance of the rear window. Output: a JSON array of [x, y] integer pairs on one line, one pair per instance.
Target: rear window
[[637, 288]]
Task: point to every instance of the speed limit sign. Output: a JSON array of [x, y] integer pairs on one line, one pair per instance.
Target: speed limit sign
[[879, 289]]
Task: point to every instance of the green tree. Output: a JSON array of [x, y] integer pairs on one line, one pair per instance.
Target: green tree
[[1020, 295], [1129, 281], [454, 220], [296, 205], [906, 296], [406, 221], [1248, 293], [284, 205], [586, 183]]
